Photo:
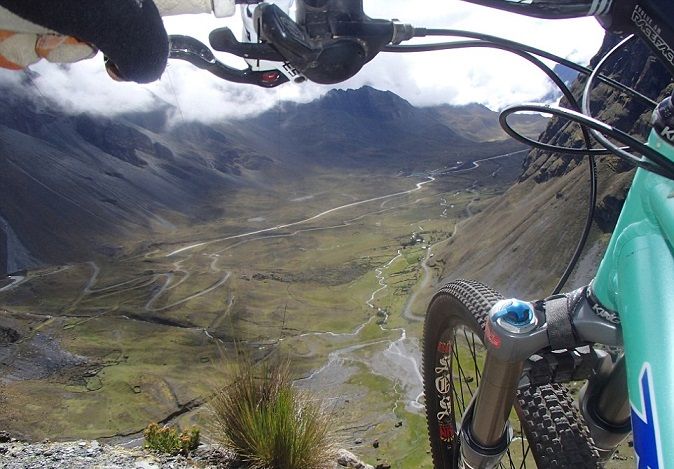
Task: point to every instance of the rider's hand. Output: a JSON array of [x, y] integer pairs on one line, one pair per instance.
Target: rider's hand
[[129, 32]]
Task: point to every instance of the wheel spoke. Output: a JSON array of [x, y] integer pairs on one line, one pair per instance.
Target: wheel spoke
[[470, 342], [462, 374], [510, 460], [524, 458], [459, 397], [456, 360], [478, 373]]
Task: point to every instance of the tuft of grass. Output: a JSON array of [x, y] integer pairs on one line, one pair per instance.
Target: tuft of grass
[[168, 440], [268, 423]]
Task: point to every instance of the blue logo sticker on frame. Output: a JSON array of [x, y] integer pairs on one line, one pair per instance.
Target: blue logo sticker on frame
[[645, 426]]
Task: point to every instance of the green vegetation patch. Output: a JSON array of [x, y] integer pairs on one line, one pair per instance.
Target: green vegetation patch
[[169, 440]]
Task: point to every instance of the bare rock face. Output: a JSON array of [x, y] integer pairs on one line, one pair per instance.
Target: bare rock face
[[121, 141], [634, 67]]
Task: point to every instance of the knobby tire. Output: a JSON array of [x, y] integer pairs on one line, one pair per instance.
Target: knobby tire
[[549, 432]]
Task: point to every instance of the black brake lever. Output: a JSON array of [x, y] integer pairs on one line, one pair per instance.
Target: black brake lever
[[198, 54], [223, 40]]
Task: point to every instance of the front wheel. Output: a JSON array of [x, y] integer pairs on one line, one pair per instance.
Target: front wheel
[[548, 430]]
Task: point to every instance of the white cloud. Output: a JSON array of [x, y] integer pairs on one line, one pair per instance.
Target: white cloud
[[476, 75], [490, 77]]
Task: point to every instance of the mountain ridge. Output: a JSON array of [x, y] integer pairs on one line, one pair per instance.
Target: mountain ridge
[[86, 180]]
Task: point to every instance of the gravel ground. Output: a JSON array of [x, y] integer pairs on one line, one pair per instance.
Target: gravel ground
[[93, 455]]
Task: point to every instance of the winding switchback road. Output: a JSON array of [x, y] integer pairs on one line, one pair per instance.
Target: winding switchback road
[[418, 187]]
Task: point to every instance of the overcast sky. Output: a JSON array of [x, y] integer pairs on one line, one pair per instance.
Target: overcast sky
[[489, 77]]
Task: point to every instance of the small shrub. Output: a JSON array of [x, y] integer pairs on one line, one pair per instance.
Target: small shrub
[[168, 440], [269, 424]]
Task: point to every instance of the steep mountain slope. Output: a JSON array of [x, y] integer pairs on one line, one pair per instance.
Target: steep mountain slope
[[67, 180], [74, 185], [521, 243]]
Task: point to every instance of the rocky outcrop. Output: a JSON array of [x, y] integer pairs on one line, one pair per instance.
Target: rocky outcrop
[[634, 67], [348, 459]]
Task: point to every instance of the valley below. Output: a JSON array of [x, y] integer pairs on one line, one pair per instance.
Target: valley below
[[146, 255], [332, 270]]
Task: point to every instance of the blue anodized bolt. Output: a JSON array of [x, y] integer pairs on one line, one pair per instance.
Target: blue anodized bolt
[[514, 315]]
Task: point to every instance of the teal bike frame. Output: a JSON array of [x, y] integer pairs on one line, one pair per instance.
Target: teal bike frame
[[636, 280]]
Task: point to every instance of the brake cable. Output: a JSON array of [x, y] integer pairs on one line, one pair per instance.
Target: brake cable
[[586, 110], [651, 160], [423, 32], [526, 52]]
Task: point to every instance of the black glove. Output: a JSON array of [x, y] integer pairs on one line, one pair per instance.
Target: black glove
[[129, 32]]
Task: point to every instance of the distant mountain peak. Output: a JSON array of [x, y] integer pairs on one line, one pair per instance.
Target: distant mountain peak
[[366, 90], [367, 102]]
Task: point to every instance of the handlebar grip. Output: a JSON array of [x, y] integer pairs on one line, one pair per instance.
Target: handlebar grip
[[651, 20]]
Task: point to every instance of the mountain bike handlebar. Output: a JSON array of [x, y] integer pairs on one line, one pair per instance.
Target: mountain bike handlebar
[[331, 40], [550, 9]]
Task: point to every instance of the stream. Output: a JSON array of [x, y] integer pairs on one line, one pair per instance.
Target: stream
[[397, 360]]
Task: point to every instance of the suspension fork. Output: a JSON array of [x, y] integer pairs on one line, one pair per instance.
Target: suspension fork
[[486, 433], [605, 407], [514, 331]]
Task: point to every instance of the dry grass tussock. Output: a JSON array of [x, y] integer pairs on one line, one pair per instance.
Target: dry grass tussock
[[268, 423]]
